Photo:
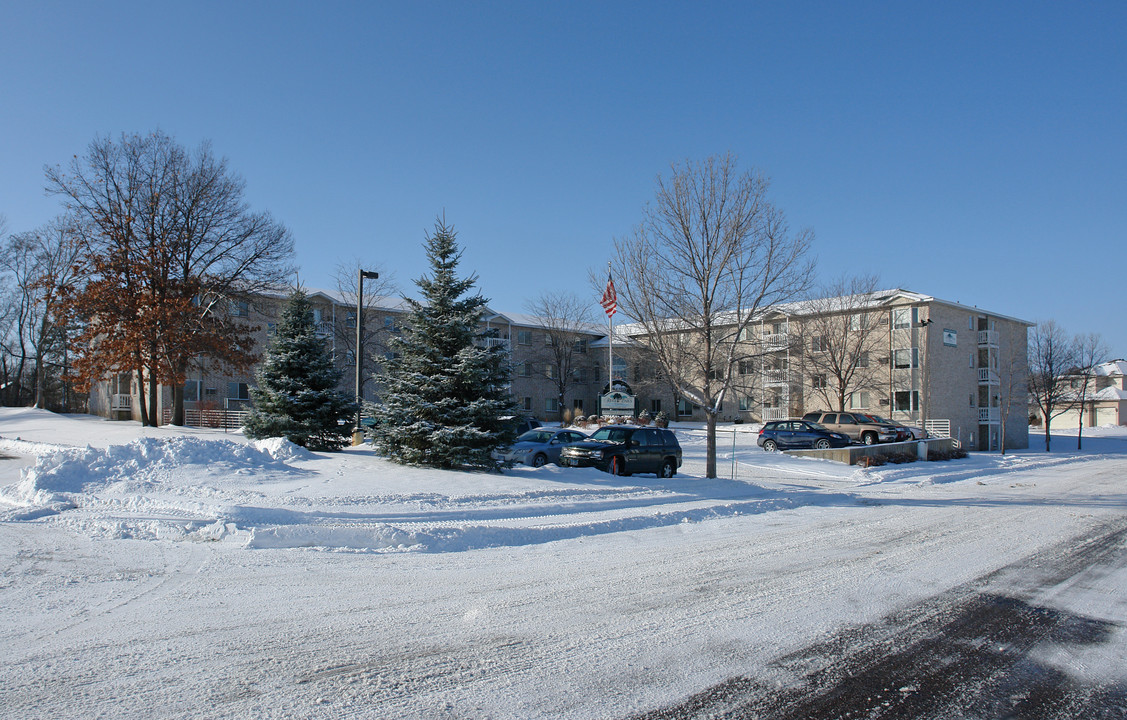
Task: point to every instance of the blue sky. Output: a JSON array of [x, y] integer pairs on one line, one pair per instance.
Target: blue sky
[[973, 151]]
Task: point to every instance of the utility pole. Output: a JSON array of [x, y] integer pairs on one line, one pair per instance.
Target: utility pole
[[357, 431]]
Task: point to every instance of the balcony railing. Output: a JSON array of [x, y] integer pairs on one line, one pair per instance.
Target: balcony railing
[[775, 376], [497, 342], [325, 329], [774, 414], [775, 341], [121, 401], [989, 414], [986, 376], [988, 338]]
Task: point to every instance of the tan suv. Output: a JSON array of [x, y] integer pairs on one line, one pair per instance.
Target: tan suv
[[858, 427]]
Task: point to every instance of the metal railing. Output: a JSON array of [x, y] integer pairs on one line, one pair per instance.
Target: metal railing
[[988, 338], [988, 376], [225, 419], [989, 415]]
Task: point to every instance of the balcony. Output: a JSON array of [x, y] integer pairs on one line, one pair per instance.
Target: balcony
[[774, 414], [496, 342], [775, 341], [121, 401], [325, 329], [986, 376], [989, 415], [988, 338], [775, 376]]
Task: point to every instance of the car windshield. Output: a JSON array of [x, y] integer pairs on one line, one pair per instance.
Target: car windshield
[[536, 436], [611, 435]]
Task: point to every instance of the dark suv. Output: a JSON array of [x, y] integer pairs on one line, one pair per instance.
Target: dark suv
[[626, 449]]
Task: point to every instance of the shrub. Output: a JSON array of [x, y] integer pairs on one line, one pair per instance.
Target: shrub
[[661, 420], [871, 461]]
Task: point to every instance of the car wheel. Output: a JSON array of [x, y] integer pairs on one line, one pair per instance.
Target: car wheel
[[822, 444], [540, 460], [770, 445], [668, 469], [869, 438]]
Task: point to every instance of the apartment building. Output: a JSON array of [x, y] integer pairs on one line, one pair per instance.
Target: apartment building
[[959, 369], [956, 368]]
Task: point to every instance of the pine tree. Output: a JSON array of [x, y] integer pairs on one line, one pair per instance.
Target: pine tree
[[297, 396], [444, 394]]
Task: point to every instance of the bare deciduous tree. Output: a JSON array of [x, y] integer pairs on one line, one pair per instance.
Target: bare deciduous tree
[[710, 253], [566, 321], [1090, 351], [838, 335], [1052, 354]]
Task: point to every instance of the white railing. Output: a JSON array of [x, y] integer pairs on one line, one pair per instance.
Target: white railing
[[121, 401], [497, 342], [989, 415], [775, 376], [938, 428], [988, 376], [226, 419], [775, 341], [988, 337], [775, 414], [325, 329]]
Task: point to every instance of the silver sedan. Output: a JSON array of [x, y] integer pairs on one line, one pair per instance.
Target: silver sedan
[[538, 447]]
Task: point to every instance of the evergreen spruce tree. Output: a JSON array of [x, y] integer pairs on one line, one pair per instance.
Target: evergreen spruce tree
[[297, 396], [444, 395]]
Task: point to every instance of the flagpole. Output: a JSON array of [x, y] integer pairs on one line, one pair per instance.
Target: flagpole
[[610, 344]]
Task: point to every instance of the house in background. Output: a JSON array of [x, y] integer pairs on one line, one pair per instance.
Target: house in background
[[1104, 403]]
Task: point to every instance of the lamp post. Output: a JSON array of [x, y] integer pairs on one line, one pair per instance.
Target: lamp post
[[358, 432]]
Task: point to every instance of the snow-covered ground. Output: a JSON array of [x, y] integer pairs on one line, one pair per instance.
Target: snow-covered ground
[[191, 573]]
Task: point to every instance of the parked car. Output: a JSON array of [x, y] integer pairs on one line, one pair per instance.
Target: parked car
[[857, 426], [538, 447], [799, 434], [522, 424], [626, 449], [913, 432]]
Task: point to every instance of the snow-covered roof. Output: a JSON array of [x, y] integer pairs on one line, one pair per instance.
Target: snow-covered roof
[[1112, 369]]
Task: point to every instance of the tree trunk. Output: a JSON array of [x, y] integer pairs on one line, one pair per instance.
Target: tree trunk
[[141, 397], [154, 413], [178, 405], [710, 445], [1047, 448], [1080, 426]]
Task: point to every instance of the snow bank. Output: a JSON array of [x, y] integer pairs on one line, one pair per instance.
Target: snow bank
[[60, 472]]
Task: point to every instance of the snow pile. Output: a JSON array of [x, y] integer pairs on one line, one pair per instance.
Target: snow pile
[[63, 472]]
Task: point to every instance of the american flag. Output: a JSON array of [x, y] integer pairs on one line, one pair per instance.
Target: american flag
[[609, 301]]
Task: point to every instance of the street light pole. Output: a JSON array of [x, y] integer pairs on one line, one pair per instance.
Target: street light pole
[[358, 432]]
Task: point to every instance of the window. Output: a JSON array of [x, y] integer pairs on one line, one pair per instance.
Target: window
[[552, 405], [685, 408], [744, 335], [271, 329], [970, 323], [548, 339], [528, 403], [859, 400], [907, 401], [907, 358], [317, 316], [210, 392], [901, 318], [238, 391], [349, 319], [192, 391], [524, 337], [525, 369], [579, 374], [858, 321], [581, 346], [972, 402], [862, 360], [746, 367], [577, 403], [818, 382], [818, 344], [239, 308], [747, 403], [655, 407], [550, 372], [619, 369], [389, 324]]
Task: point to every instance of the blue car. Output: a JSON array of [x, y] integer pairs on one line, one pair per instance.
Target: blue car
[[781, 434], [538, 447]]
